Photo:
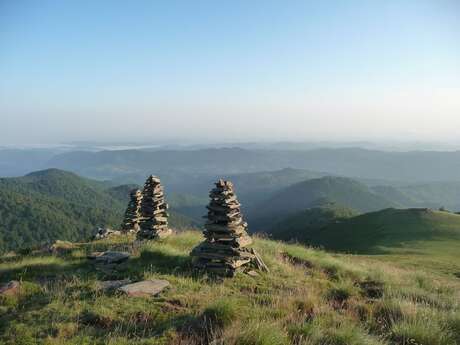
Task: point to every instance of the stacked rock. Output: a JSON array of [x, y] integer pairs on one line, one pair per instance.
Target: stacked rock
[[224, 251], [154, 215], [133, 212]]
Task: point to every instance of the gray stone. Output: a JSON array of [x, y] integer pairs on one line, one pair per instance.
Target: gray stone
[[145, 288], [104, 233], [109, 257]]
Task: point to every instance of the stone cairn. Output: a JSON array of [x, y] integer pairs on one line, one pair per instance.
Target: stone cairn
[[154, 215], [133, 212], [224, 251]]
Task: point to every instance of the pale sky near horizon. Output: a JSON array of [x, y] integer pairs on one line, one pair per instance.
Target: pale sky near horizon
[[229, 70]]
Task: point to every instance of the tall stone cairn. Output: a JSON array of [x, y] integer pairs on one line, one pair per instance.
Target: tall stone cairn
[[225, 251], [154, 215], [133, 212]]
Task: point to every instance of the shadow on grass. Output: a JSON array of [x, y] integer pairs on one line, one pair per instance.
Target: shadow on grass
[[42, 272], [159, 262], [190, 328], [30, 303], [137, 324]]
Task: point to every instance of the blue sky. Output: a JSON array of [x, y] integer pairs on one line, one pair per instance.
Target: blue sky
[[229, 70]]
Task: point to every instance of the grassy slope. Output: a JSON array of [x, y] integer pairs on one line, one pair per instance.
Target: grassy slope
[[299, 225], [413, 236], [310, 297]]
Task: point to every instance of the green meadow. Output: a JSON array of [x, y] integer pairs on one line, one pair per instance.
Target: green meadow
[[309, 297]]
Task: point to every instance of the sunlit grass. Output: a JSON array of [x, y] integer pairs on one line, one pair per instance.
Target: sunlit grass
[[309, 297]]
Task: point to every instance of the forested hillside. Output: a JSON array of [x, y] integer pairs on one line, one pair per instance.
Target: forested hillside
[[53, 204]]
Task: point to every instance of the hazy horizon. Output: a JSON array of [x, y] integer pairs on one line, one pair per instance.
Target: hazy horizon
[[199, 72]]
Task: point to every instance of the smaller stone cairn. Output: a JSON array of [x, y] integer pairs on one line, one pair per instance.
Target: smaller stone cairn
[[224, 251], [133, 213], [154, 216]]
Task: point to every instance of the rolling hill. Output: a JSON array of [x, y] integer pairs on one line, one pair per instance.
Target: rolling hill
[[416, 237], [384, 230], [307, 194], [258, 186], [53, 204], [299, 225]]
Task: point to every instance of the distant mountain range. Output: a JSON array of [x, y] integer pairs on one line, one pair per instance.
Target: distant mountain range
[[352, 162], [174, 165]]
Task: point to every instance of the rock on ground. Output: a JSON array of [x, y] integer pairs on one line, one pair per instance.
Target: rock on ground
[[109, 257], [105, 232], [10, 289], [145, 288]]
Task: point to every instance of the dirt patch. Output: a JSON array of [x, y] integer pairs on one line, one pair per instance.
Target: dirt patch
[[372, 288], [91, 319]]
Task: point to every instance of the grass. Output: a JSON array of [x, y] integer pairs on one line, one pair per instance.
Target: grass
[[309, 297], [409, 237]]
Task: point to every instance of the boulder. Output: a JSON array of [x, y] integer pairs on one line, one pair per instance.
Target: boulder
[[145, 288], [10, 289]]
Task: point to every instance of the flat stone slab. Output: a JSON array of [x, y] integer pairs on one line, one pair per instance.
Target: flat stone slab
[[253, 274], [109, 257], [10, 289], [113, 284], [145, 288]]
